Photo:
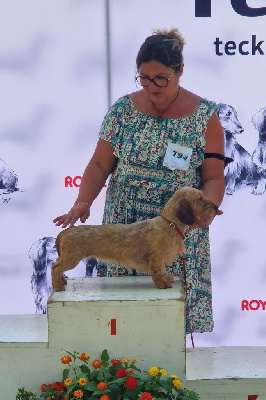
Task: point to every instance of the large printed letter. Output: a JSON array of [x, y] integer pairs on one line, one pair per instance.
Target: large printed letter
[[241, 7], [202, 8]]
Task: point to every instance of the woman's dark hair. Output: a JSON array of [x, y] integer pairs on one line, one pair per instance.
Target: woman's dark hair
[[163, 46]]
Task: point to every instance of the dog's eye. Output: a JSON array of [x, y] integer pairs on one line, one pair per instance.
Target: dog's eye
[[228, 113]]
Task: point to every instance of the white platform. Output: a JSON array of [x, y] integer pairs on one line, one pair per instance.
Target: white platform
[[149, 322], [149, 326], [23, 331], [231, 373]]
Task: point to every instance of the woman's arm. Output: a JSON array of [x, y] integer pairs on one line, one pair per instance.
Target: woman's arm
[[212, 169], [97, 171]]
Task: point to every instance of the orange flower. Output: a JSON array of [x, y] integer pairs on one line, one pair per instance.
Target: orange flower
[[78, 393], [96, 364], [131, 372], [84, 356], [102, 385], [66, 360], [68, 381], [104, 397], [83, 381], [115, 362]]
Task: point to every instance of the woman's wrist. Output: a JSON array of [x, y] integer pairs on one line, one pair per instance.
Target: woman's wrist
[[80, 203]]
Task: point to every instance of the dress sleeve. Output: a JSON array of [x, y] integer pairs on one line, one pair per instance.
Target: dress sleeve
[[112, 126]]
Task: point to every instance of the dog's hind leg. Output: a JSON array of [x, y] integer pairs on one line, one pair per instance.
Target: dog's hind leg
[[159, 275], [65, 262], [58, 281]]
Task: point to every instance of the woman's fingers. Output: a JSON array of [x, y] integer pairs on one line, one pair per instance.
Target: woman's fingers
[[81, 212]]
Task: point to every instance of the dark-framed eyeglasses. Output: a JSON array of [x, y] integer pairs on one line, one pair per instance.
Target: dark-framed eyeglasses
[[160, 81]]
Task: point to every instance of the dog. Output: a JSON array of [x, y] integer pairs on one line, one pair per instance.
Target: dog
[[242, 171], [43, 255], [143, 245], [259, 154]]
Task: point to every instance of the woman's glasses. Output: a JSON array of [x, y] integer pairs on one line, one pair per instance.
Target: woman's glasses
[[160, 81]]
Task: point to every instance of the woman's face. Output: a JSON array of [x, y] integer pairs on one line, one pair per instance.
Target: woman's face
[[155, 69]]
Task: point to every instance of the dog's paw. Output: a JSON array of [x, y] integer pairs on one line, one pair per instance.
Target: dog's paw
[[229, 191], [163, 282], [59, 288]]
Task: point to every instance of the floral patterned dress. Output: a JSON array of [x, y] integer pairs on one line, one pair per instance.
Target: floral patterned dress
[[141, 185]]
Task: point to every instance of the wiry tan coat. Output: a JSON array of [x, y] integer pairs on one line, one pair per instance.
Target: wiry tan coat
[[144, 245]]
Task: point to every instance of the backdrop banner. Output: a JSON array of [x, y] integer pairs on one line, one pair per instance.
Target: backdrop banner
[[62, 63]]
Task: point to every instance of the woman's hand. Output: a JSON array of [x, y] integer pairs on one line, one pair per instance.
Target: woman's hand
[[80, 211], [201, 223]]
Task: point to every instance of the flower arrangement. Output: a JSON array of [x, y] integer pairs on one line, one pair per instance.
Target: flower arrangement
[[109, 379]]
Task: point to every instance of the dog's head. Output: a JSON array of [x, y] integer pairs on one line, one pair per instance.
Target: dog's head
[[190, 203], [259, 120], [229, 120]]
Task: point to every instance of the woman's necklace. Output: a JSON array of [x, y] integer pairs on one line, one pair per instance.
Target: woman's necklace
[[160, 118]]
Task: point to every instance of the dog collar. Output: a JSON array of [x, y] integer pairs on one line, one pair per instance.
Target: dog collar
[[174, 226]]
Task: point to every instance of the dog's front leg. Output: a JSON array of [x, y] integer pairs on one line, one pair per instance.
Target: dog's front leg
[[159, 275]]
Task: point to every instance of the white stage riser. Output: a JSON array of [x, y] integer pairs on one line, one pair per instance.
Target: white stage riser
[[229, 389], [149, 326]]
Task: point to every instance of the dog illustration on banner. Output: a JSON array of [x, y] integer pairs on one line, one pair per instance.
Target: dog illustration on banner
[[259, 155], [43, 255], [246, 169], [8, 179]]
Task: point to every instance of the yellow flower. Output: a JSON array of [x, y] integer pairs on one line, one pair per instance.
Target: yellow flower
[[177, 383], [68, 381], [134, 360], [163, 372], [82, 381], [126, 360], [173, 376], [154, 371]]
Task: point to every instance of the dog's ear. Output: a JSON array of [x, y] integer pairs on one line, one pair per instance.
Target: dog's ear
[[184, 212]]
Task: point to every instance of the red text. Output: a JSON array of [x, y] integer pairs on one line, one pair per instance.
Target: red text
[[70, 182], [253, 305]]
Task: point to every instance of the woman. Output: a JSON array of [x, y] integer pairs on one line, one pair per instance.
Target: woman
[[152, 142]]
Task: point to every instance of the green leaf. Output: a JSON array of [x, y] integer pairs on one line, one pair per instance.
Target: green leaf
[[166, 385], [84, 376], [94, 375], [105, 356], [65, 373], [71, 387], [91, 386], [85, 370]]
